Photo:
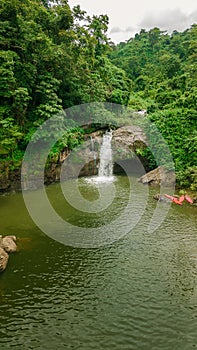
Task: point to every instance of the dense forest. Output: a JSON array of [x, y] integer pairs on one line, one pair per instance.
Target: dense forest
[[53, 58], [163, 73]]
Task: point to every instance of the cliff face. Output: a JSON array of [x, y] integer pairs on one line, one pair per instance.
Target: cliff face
[[84, 161], [126, 140]]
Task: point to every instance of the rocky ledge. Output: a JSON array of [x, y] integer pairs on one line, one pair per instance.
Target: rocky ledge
[[159, 176], [7, 245]]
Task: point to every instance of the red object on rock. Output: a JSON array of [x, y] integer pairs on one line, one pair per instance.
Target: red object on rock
[[181, 199], [168, 196], [188, 199], [177, 201]]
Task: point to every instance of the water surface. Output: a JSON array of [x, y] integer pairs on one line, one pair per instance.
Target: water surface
[[138, 293]]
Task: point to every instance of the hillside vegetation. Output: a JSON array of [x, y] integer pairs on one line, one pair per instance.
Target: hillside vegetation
[[53, 58], [163, 72]]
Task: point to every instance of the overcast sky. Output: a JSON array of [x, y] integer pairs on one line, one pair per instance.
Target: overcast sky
[[127, 16]]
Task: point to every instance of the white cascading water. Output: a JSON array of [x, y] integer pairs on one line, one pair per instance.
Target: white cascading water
[[106, 161], [91, 144]]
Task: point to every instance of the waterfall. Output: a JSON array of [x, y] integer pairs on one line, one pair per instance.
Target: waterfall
[[106, 162], [91, 144]]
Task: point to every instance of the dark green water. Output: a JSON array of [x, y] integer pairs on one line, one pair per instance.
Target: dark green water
[[138, 293]]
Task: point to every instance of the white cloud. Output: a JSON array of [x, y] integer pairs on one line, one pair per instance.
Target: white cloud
[[129, 29], [121, 30], [116, 30], [169, 19], [126, 17]]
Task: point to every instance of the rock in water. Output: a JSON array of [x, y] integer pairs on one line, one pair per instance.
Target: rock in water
[[8, 244], [158, 176], [3, 259]]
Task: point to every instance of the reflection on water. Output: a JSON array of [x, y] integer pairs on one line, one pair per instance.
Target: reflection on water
[[138, 293]]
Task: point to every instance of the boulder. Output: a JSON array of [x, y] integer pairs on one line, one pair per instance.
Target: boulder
[[3, 259], [8, 243], [125, 141], [159, 176]]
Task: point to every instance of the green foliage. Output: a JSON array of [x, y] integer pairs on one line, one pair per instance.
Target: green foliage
[[49, 103], [10, 135], [71, 139], [188, 178], [21, 99], [146, 157], [163, 71], [53, 58]]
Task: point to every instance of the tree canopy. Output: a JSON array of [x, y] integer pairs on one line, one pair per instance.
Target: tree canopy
[[163, 71], [53, 58]]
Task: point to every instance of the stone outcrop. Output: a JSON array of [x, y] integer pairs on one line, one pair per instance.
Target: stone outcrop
[[126, 140], [159, 176], [128, 143], [7, 245], [127, 136]]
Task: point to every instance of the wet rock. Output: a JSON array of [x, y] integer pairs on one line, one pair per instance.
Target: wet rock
[[8, 244], [159, 176], [3, 259]]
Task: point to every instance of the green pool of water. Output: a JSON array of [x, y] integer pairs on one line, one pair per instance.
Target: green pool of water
[[140, 292]]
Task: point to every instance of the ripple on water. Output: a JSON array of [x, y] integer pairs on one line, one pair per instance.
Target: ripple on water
[[139, 293]]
